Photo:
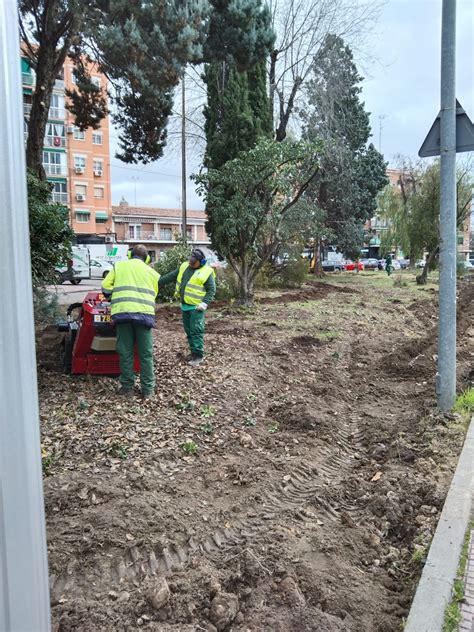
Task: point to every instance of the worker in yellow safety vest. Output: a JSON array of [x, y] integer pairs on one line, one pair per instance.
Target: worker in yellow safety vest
[[195, 287], [132, 287]]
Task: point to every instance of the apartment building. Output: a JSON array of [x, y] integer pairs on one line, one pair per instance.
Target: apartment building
[[157, 228], [76, 163]]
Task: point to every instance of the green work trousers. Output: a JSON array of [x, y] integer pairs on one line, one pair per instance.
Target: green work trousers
[[193, 322], [129, 334]]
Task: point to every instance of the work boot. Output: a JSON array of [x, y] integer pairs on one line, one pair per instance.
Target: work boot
[[147, 396], [195, 360], [124, 392]]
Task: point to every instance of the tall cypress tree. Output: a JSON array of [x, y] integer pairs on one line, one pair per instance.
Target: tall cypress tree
[[237, 113]]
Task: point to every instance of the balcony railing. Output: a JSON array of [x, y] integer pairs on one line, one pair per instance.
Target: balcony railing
[[26, 109], [156, 238], [57, 113], [27, 79], [59, 83], [55, 170], [62, 198], [55, 141]]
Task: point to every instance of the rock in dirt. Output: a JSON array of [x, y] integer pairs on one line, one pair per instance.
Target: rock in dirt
[[224, 608], [246, 441], [290, 592], [158, 593]]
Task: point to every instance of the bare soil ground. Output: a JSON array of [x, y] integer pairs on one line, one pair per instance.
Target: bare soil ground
[[320, 470]]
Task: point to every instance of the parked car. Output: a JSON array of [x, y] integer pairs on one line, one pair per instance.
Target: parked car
[[100, 269], [404, 263], [350, 265], [332, 266], [396, 264], [369, 264]]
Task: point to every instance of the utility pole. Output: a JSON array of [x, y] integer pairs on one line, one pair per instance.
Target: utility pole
[[446, 377], [24, 593], [183, 161], [135, 180], [381, 118]]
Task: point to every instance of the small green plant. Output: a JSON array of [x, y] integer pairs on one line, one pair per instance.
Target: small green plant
[[190, 447], [116, 450], [274, 427], [336, 355], [186, 403], [418, 555], [207, 411], [252, 397], [250, 422], [47, 461], [465, 402], [206, 428]]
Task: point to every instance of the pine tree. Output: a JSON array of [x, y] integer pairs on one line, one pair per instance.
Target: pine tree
[[143, 48], [352, 172]]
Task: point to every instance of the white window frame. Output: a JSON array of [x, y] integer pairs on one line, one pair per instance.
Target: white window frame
[[137, 234], [95, 136], [78, 135], [166, 231], [79, 213], [80, 158], [98, 165], [99, 197]]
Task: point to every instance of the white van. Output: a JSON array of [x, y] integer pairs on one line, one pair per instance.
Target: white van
[[78, 267]]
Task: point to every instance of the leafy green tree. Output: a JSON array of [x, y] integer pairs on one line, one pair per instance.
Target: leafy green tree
[[142, 47], [50, 234], [168, 262], [413, 212], [352, 172], [251, 196]]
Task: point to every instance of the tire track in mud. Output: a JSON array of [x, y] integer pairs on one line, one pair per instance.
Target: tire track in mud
[[305, 483]]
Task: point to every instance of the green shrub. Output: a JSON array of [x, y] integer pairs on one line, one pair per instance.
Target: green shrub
[[294, 273], [227, 284], [171, 260], [46, 306]]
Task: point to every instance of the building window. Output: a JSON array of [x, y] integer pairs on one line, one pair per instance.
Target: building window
[[189, 233], [55, 135], [98, 166], [54, 163], [79, 163], [95, 81], [134, 231], [56, 107], [81, 189], [96, 138], [73, 77], [99, 193], [82, 217], [166, 234], [78, 134], [59, 192]]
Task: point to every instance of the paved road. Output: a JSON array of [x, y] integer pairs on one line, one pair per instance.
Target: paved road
[[68, 293]]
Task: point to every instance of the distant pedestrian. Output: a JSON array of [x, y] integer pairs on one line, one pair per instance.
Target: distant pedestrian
[[388, 264], [196, 287]]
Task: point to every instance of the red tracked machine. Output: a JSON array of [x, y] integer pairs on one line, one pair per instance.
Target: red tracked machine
[[90, 340]]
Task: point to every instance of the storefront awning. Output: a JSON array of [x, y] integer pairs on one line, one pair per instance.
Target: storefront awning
[[101, 215]]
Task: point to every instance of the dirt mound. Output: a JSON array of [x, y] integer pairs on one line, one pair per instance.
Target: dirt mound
[[310, 292], [307, 341]]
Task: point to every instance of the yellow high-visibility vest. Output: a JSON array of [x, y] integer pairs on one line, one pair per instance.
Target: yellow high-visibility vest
[[194, 292], [134, 286]]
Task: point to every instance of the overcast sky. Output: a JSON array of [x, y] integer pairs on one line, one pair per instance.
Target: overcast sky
[[402, 85]]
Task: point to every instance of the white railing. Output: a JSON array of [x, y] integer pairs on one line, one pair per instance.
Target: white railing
[[59, 83], [57, 113], [27, 79], [55, 170], [54, 141], [26, 109], [57, 196]]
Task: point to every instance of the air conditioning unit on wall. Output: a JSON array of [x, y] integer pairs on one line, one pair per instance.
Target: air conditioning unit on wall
[[70, 129], [79, 170], [98, 172], [80, 197], [109, 239]]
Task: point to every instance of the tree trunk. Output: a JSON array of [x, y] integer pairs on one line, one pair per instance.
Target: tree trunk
[[246, 297], [318, 266], [422, 278]]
